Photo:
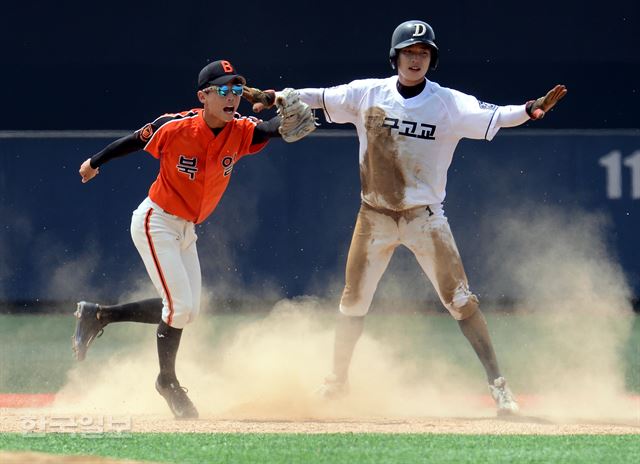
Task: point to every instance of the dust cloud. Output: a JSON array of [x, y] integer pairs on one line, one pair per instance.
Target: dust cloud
[[564, 275], [270, 368], [562, 355], [71, 277]]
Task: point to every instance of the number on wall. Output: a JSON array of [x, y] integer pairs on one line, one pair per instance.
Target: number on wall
[[613, 162]]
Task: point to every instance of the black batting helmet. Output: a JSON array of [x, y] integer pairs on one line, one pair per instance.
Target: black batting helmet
[[412, 32]]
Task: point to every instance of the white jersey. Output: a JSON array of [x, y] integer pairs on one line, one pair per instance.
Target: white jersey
[[407, 145]]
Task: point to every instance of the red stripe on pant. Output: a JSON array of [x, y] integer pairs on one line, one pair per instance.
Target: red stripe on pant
[[158, 267]]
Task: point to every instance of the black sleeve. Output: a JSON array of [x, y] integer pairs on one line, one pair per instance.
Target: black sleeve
[[133, 142], [120, 147], [266, 130]]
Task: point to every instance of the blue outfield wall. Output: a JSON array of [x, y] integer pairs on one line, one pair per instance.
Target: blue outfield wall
[[284, 226]]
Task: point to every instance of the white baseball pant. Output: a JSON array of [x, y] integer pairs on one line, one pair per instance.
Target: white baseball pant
[[167, 245], [423, 230]]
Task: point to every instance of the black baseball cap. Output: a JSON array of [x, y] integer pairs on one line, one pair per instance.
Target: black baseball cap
[[218, 72]]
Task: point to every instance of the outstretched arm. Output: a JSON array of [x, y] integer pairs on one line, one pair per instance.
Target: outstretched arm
[[266, 130], [121, 147], [265, 99], [515, 115]]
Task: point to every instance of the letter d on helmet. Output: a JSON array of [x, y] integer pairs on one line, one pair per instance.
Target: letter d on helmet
[[413, 32]]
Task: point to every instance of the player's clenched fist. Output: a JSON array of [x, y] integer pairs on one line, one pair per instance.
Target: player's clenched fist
[[536, 109], [260, 99], [87, 172]]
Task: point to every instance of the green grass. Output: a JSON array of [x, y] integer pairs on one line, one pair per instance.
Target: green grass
[[36, 350], [334, 448]]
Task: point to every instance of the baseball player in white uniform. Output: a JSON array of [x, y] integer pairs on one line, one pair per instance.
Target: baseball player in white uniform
[[408, 128]]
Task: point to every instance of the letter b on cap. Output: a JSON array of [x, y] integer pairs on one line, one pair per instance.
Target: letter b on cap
[[420, 30], [229, 69]]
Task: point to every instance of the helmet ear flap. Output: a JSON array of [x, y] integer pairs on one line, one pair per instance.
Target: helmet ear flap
[[434, 59], [393, 58]]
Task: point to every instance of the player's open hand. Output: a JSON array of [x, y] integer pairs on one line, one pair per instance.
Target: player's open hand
[[538, 108], [87, 172]]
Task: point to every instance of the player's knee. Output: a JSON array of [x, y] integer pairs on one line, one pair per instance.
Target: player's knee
[[194, 308], [177, 321], [464, 304], [468, 309], [181, 316], [193, 315]]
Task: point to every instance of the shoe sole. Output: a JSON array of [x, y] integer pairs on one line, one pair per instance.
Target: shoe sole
[[75, 344]]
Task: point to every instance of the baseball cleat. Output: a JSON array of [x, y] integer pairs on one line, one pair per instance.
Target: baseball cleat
[[332, 388], [503, 397], [88, 328], [177, 399]]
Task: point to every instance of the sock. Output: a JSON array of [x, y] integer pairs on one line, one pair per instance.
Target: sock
[[146, 311], [476, 331], [348, 331], [168, 342]]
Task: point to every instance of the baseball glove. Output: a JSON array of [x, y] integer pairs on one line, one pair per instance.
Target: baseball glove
[[260, 99], [297, 119], [536, 109]]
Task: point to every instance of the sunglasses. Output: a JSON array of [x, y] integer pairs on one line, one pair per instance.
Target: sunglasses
[[223, 90]]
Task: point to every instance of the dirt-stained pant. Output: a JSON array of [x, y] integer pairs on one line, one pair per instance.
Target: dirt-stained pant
[[423, 230], [167, 245]]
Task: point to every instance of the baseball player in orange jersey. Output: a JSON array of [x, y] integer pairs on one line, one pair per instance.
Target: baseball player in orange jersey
[[197, 150], [408, 129]]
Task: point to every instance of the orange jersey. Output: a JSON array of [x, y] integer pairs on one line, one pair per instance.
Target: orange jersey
[[195, 164]]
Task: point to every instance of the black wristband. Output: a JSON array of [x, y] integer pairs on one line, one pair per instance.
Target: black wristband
[[528, 107]]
